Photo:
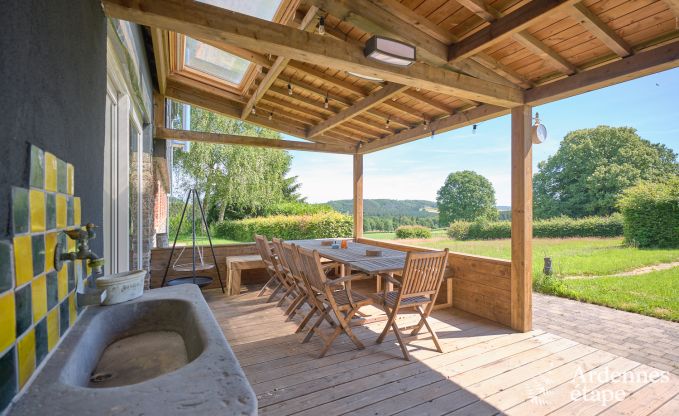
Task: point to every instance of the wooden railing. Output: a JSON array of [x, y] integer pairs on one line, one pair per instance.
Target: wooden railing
[[479, 285]]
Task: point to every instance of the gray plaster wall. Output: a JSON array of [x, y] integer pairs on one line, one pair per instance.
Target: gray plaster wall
[[52, 94]]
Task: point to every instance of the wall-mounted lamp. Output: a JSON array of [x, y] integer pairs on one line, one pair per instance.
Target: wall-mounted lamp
[[321, 26], [325, 103], [389, 51], [539, 133]]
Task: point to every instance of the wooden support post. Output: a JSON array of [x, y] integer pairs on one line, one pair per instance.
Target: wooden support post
[[358, 196], [522, 219], [158, 111]]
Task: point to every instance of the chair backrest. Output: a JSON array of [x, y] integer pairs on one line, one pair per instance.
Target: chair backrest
[[423, 272], [277, 248], [264, 250], [288, 252], [312, 269]]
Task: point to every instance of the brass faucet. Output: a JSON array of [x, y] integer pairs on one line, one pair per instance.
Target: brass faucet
[[83, 251]]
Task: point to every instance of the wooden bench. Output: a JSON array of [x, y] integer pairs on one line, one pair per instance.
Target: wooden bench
[[235, 265]]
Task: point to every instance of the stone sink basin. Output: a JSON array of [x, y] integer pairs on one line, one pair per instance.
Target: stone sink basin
[[160, 354]]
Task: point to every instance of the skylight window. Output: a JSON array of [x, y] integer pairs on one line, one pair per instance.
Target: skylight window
[[216, 62], [262, 9]]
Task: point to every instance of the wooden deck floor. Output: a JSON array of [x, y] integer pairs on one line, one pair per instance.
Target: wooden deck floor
[[485, 369]]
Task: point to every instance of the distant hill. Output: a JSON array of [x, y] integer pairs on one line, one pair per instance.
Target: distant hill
[[388, 207]]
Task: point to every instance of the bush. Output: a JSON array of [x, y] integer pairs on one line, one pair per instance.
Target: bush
[[413, 231], [560, 227], [296, 208], [651, 214], [292, 227]]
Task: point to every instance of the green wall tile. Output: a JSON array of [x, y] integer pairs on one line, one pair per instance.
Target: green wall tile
[[8, 378], [38, 245], [62, 177], [37, 168], [40, 341], [71, 276], [5, 266], [69, 211], [20, 210], [24, 309], [51, 211], [63, 317], [52, 290]]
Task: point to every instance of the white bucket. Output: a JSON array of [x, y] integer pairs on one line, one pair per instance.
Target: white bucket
[[121, 287]]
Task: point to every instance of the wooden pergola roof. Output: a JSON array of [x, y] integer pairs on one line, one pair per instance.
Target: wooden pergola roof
[[476, 59]]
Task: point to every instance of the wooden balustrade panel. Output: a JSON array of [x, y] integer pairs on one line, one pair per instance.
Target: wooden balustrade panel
[[159, 258], [480, 285]]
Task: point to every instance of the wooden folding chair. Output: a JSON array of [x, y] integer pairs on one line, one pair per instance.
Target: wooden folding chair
[[420, 283], [277, 279], [295, 284], [326, 298]]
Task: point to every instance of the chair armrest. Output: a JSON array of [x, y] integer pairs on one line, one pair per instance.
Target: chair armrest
[[345, 279], [390, 279]]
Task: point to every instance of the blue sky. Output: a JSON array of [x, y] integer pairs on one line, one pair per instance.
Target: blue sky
[[417, 170]]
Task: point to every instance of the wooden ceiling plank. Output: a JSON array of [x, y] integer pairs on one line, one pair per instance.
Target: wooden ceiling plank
[[674, 7], [277, 68], [195, 136], [461, 119], [640, 64], [479, 8], [598, 28], [198, 19], [491, 63], [504, 27], [161, 55], [348, 113], [531, 43], [429, 102], [339, 83]]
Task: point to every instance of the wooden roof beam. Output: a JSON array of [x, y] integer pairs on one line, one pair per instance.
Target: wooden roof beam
[[674, 7], [479, 8], [348, 113], [198, 19], [545, 52], [601, 30], [196, 136], [502, 69], [638, 65], [506, 26], [277, 68]]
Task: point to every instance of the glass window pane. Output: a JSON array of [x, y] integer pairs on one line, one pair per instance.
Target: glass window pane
[[210, 60], [263, 9]]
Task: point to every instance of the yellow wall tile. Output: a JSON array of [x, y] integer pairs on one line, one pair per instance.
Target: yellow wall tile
[[7, 320], [50, 172], [53, 328], [26, 348], [70, 180], [37, 211], [76, 210], [50, 245], [39, 301], [62, 283], [61, 211], [71, 309], [23, 259]]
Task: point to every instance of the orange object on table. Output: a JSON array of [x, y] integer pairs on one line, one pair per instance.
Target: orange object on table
[[343, 244]]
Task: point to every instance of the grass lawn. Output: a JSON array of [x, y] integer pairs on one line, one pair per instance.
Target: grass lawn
[[201, 241], [654, 294]]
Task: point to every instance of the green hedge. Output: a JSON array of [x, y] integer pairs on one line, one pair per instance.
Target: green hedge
[[296, 208], [559, 227], [413, 231], [298, 227], [651, 214]]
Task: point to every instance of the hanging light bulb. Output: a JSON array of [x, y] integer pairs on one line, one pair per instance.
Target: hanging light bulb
[[386, 125], [254, 111], [271, 116], [425, 124], [289, 88], [325, 103], [474, 129], [321, 26]]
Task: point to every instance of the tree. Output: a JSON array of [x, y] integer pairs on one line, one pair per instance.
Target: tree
[[466, 196], [235, 181], [592, 167]]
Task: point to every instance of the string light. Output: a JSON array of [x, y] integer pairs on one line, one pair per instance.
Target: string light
[[325, 103], [474, 129], [321, 26], [425, 124], [253, 111], [386, 125], [271, 116], [289, 88]]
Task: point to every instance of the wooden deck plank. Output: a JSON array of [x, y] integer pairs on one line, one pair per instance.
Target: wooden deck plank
[[485, 369]]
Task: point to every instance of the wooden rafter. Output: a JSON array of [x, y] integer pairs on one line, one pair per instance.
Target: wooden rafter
[[211, 22], [643, 63], [546, 53], [674, 7], [506, 26], [598, 28], [491, 63], [461, 119], [276, 69], [196, 136], [479, 8], [365, 104]]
